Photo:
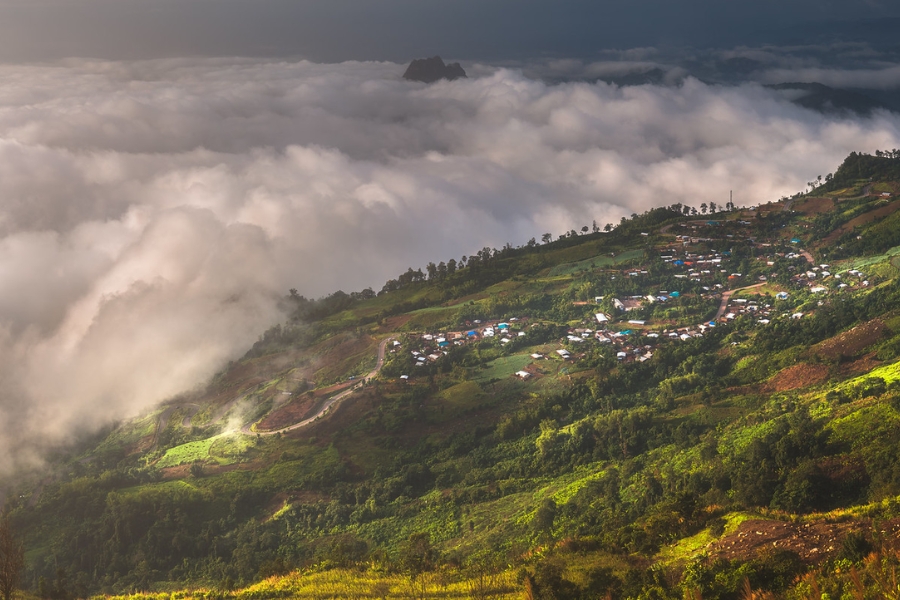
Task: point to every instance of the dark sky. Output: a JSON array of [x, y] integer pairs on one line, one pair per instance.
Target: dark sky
[[336, 30]]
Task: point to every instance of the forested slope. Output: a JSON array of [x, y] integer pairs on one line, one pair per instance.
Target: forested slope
[[687, 402]]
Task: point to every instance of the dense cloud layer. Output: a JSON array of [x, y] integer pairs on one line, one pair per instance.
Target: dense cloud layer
[[152, 213]]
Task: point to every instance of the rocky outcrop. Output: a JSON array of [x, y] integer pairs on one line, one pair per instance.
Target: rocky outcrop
[[433, 69]]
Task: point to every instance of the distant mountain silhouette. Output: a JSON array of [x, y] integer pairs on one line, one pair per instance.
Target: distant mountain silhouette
[[654, 76], [433, 69], [826, 99]]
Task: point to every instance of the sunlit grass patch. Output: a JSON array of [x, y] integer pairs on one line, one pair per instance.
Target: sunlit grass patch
[[227, 449], [186, 453], [568, 492], [343, 583], [862, 426], [689, 547], [686, 548], [889, 373], [737, 439]]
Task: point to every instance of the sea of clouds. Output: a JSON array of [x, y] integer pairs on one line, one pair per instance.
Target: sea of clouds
[[153, 213]]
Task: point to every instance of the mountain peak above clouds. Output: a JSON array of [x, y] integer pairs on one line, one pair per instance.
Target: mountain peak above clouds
[[429, 70]]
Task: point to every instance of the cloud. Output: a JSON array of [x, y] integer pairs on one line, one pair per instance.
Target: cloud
[[154, 212]]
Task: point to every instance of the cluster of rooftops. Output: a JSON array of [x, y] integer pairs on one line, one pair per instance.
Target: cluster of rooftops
[[637, 342], [432, 346]]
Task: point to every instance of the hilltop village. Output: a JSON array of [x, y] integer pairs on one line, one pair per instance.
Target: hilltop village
[[780, 281]]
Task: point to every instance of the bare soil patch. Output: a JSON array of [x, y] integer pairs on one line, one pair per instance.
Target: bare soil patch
[[798, 376], [177, 472], [851, 342], [334, 357], [860, 366], [813, 542], [814, 206], [294, 411], [142, 445], [392, 324]]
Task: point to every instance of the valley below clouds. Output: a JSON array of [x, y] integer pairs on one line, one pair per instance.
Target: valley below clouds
[[154, 213]]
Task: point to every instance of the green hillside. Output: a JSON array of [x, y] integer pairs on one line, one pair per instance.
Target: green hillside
[[690, 403]]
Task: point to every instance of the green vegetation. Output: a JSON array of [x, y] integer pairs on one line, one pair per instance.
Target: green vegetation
[[653, 455], [596, 262]]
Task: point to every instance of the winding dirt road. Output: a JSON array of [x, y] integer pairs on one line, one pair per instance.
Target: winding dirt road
[[246, 429], [726, 296], [192, 408], [163, 421]]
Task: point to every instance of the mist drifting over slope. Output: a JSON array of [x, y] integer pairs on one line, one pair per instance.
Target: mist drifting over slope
[[152, 213]]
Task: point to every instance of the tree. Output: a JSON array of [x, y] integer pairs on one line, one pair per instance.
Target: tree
[[12, 559], [584, 230], [544, 517], [546, 238], [417, 558], [483, 574]]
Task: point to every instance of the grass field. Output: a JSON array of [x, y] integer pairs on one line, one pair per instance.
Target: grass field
[[186, 453], [596, 262], [867, 261], [460, 398], [503, 367]]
